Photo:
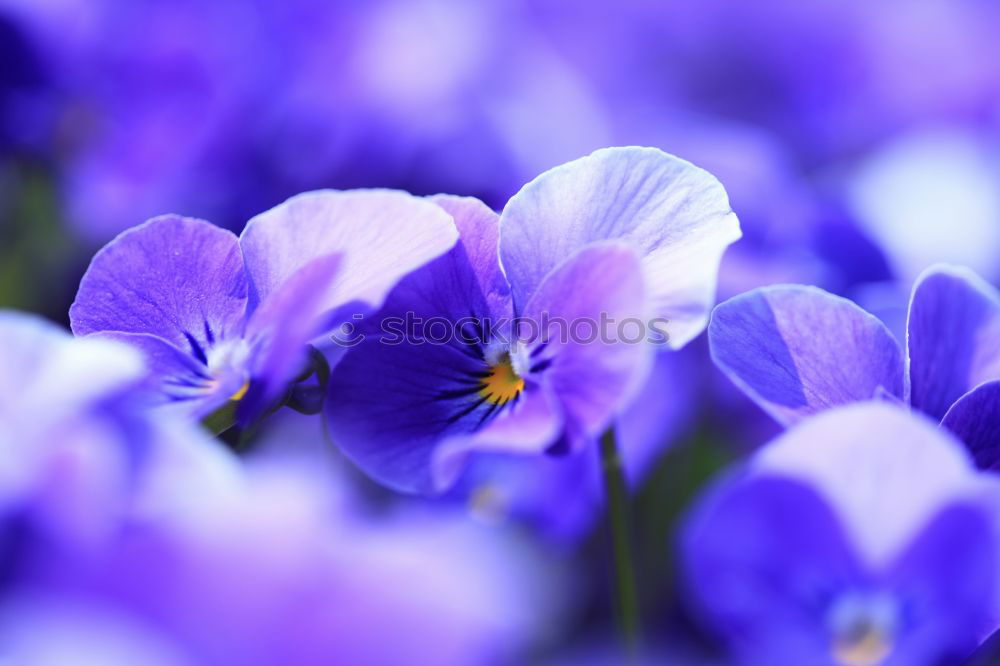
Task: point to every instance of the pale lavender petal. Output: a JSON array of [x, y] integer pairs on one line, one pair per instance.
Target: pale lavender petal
[[28, 342], [954, 337], [798, 350], [885, 469], [975, 418], [593, 373], [382, 234], [674, 214], [177, 278], [44, 367]]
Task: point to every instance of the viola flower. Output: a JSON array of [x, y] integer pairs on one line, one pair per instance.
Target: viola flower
[[861, 537], [222, 318], [624, 233], [798, 350]]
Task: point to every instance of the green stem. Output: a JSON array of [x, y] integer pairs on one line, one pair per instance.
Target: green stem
[[626, 599]]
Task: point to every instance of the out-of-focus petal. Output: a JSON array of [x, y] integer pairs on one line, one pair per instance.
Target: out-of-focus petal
[[281, 573], [929, 196], [177, 278], [382, 235], [975, 418], [885, 470], [80, 444], [42, 365], [944, 581], [595, 364], [798, 350], [47, 631], [759, 556], [561, 497], [953, 337], [674, 214], [663, 409]]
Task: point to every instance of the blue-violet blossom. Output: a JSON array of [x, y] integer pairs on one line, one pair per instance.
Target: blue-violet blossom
[[624, 234], [861, 537]]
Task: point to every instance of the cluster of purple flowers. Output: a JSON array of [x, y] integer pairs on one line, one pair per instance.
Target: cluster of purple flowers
[[243, 452], [864, 536]]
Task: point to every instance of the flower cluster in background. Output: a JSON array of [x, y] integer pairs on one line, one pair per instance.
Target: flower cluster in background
[[199, 199]]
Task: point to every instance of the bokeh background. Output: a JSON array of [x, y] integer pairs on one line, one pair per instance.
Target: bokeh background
[[859, 142]]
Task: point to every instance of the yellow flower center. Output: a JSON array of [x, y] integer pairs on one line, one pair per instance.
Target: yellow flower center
[[503, 384], [868, 647]]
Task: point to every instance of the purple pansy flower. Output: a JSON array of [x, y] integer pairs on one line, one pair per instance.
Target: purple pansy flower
[[861, 537], [798, 350], [223, 318], [624, 233]]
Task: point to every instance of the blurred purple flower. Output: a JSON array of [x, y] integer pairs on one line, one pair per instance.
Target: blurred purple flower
[[275, 570], [862, 536], [798, 350], [625, 232], [930, 196], [222, 318], [80, 448], [221, 109]]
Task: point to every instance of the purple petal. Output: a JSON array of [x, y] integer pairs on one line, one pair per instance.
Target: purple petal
[[975, 418], [527, 427], [479, 233], [761, 557], [382, 235], [177, 278], [884, 469], [561, 497], [954, 337], [798, 350], [593, 379], [280, 329], [676, 215], [943, 581]]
